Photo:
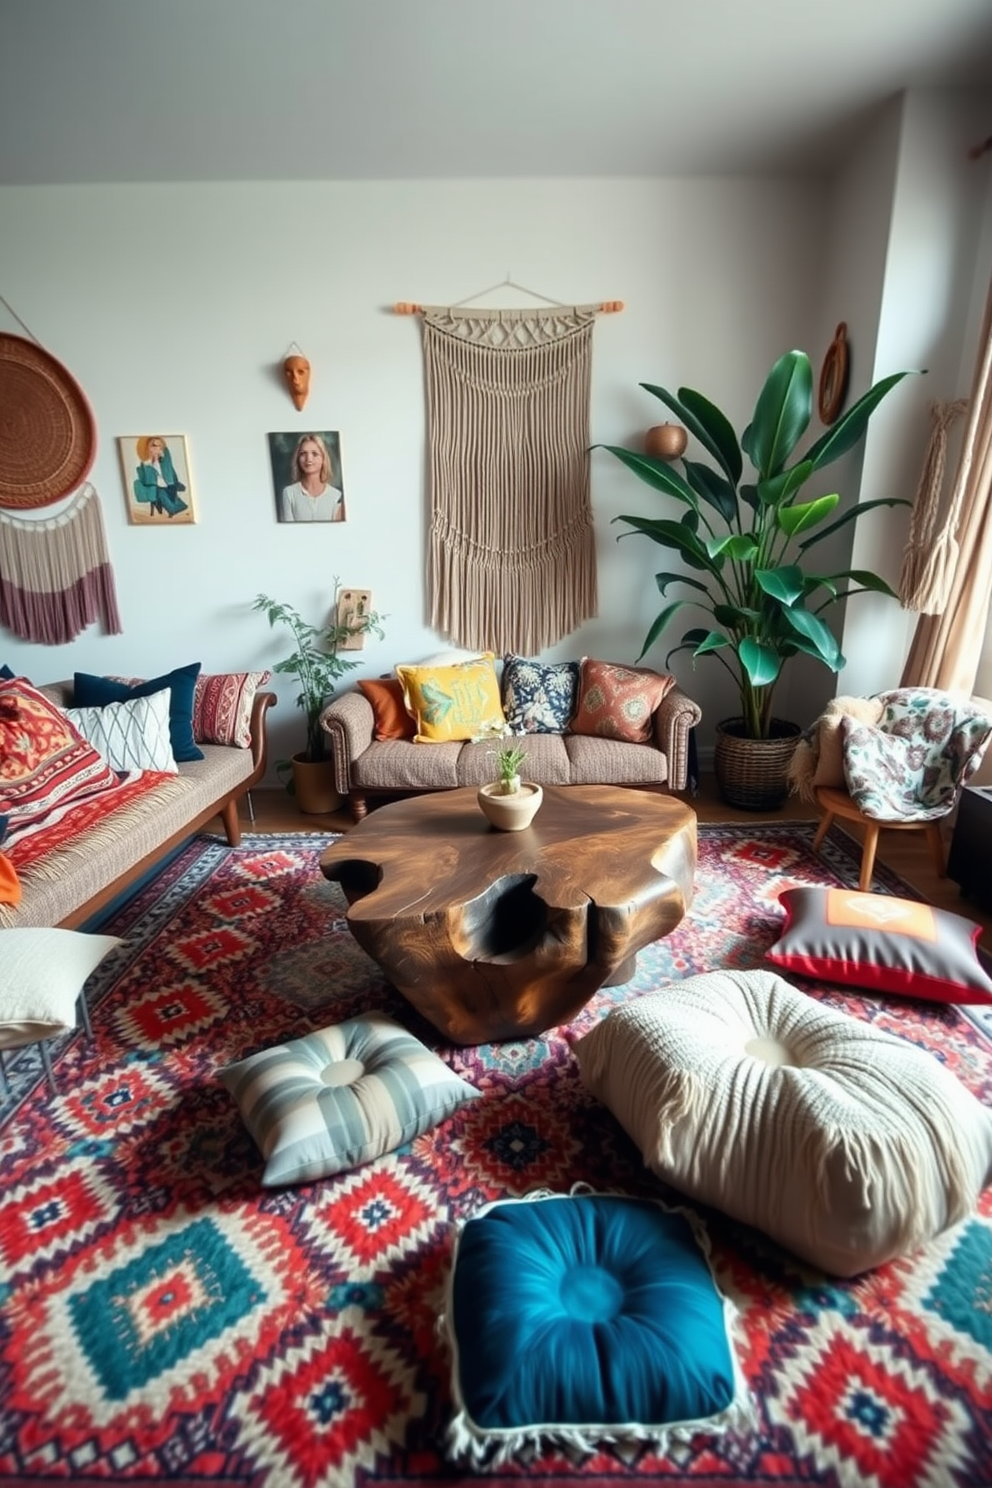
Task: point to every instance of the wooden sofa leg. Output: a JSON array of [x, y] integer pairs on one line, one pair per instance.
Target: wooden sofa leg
[[232, 826], [358, 803]]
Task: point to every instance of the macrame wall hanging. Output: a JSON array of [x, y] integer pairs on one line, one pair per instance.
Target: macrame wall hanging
[[931, 554], [55, 574], [512, 563]]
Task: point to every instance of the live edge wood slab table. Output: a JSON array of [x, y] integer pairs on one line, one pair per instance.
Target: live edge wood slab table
[[499, 935]]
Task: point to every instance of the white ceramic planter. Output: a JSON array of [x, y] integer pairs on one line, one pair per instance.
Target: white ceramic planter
[[510, 813]]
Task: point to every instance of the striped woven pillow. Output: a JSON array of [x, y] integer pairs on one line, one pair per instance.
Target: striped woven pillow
[[341, 1097], [222, 705]]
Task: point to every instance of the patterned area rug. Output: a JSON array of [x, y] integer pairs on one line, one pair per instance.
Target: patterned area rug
[[165, 1320]]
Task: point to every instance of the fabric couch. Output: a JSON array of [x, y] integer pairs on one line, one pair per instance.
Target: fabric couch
[[77, 877], [366, 766]]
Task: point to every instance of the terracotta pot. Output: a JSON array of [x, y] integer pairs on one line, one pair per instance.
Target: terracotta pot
[[513, 812], [313, 786], [751, 773], [666, 441]]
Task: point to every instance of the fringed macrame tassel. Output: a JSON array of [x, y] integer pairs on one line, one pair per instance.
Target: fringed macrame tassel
[[55, 575], [930, 557], [512, 550]]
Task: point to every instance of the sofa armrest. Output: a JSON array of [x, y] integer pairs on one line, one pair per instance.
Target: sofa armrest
[[349, 722], [261, 704], [673, 719]]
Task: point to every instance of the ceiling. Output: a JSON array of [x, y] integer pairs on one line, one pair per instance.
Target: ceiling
[[199, 90]]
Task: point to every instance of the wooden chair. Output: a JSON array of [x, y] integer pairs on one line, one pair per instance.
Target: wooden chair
[[837, 802]]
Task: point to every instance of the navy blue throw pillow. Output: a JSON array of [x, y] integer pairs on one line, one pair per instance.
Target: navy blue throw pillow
[[6, 673], [97, 692]]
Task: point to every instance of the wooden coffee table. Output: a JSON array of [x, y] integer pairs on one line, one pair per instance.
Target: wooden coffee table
[[496, 935]]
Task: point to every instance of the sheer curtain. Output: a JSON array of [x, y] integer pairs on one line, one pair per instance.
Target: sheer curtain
[[947, 646]]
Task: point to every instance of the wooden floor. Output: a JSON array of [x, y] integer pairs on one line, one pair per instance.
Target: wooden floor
[[906, 853]]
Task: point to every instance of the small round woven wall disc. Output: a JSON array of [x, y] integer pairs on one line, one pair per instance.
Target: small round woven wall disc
[[47, 429]]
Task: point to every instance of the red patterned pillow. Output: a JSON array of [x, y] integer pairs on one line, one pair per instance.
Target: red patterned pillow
[[44, 761], [616, 702], [222, 705]]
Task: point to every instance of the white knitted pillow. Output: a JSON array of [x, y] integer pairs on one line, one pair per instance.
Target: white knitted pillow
[[847, 1145]]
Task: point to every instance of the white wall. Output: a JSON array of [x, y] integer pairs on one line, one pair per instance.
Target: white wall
[[934, 228], [174, 306]]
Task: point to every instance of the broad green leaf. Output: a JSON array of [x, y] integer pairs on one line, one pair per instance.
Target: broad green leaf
[[655, 473], [800, 643], [862, 576], [749, 494], [852, 515], [674, 535], [741, 547], [784, 584], [817, 632], [712, 488], [660, 622], [778, 490], [664, 579], [759, 661], [707, 423], [735, 617], [803, 515], [845, 433], [715, 432], [712, 640], [781, 414]]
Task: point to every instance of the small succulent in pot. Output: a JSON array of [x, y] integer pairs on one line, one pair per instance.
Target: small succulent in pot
[[508, 758]]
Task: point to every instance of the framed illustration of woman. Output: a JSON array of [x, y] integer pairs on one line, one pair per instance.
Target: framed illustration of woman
[[157, 485]]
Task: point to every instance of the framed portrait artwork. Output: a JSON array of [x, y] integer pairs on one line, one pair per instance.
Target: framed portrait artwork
[[306, 477], [157, 484]]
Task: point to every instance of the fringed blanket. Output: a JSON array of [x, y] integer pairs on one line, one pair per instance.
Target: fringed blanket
[[55, 575], [512, 557], [50, 849]]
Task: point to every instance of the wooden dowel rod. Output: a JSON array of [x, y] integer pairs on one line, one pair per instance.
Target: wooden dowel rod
[[406, 307]]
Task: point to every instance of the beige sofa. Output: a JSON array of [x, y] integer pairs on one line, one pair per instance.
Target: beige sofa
[[70, 884], [365, 767]]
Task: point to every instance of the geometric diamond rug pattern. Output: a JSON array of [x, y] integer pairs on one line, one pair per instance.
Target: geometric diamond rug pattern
[[164, 1319]]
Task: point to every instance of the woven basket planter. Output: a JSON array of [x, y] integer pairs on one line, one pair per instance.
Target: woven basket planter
[[751, 772]]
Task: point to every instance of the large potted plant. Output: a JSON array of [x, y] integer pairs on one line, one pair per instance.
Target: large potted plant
[[318, 666], [748, 547]]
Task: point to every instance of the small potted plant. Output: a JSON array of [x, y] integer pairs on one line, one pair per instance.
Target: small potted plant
[[318, 666], [508, 802]]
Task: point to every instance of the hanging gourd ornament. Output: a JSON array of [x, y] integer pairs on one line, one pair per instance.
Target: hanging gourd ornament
[[665, 441]]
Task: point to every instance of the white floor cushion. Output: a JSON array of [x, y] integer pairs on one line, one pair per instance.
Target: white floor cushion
[[847, 1145], [42, 973]]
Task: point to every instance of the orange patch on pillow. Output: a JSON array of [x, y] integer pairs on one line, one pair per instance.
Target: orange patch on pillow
[[881, 912], [881, 943]]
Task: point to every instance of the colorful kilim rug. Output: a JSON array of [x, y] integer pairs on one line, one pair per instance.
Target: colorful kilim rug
[[165, 1320]]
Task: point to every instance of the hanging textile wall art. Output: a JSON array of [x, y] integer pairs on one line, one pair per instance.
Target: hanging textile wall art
[[55, 573], [512, 563]]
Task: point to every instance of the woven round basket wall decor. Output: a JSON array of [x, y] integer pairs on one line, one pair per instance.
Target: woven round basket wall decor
[[751, 772], [47, 429]]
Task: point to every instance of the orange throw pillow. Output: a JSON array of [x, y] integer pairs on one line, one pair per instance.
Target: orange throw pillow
[[616, 702], [10, 884], [392, 721]]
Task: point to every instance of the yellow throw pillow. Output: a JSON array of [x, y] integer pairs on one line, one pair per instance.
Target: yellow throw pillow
[[453, 702]]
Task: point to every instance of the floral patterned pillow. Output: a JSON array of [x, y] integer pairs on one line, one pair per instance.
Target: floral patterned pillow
[[911, 766], [539, 697]]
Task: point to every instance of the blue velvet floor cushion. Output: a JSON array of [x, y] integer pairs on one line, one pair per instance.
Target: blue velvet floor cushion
[[580, 1317]]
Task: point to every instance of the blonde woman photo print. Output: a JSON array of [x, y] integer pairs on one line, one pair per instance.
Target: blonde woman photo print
[[306, 477]]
